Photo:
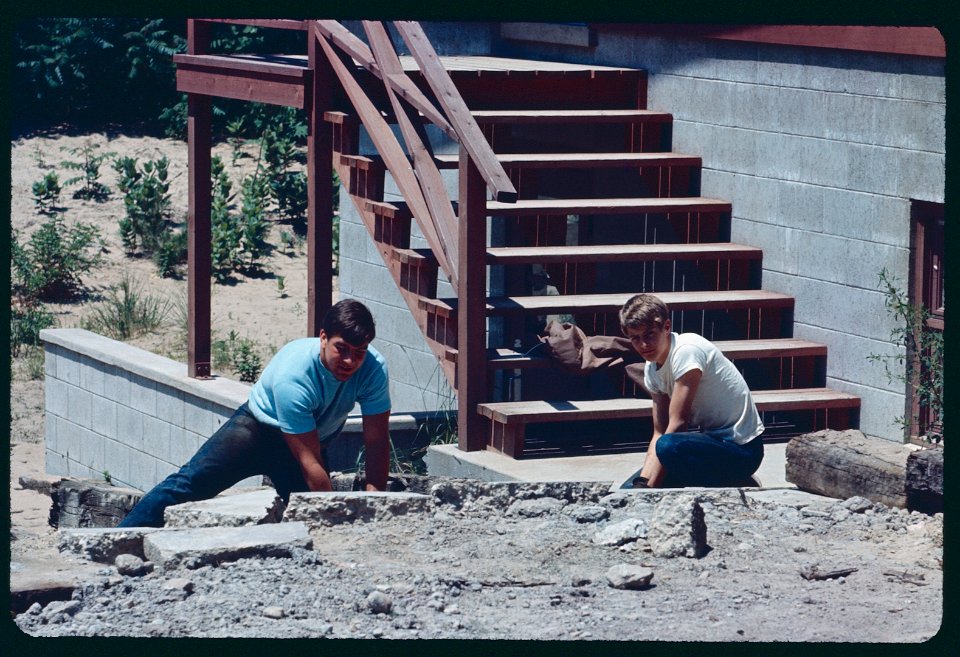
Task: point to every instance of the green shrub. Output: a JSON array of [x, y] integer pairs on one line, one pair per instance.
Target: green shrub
[[50, 265], [46, 193], [26, 322], [146, 199], [239, 354], [171, 253], [89, 166], [127, 312]]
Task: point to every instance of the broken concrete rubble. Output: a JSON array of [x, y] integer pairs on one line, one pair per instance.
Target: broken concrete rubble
[[90, 503], [337, 508], [678, 527], [103, 544], [235, 510], [211, 545]]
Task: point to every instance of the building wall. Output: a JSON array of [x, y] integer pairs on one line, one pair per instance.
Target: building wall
[[820, 152]]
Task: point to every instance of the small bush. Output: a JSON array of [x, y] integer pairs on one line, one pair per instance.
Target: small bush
[[146, 200], [89, 166], [46, 193], [26, 322], [239, 354], [127, 312], [50, 265]]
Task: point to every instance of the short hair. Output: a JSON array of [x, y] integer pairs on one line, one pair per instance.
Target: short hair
[[351, 320], [643, 310]]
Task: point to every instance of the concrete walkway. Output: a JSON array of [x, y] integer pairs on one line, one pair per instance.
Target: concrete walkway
[[447, 460]]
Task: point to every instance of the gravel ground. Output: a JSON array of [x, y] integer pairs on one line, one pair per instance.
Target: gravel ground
[[531, 569]]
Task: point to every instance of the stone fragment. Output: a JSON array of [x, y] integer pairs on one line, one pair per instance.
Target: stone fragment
[[535, 508], [274, 612], [179, 584], [132, 565], [91, 503], [229, 510], [924, 480], [587, 512], [103, 544], [629, 576], [337, 508], [43, 485], [678, 528], [857, 504], [628, 530], [379, 602], [213, 545]]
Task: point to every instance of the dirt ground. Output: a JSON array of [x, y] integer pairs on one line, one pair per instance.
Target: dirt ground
[[450, 573]]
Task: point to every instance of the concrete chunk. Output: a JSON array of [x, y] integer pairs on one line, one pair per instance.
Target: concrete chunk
[[91, 503], [241, 510], [337, 508], [678, 528], [211, 545], [924, 480], [103, 544]]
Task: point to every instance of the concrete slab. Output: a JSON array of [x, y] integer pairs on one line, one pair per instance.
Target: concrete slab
[[211, 545], [103, 544], [227, 510], [44, 580], [447, 460], [337, 508]]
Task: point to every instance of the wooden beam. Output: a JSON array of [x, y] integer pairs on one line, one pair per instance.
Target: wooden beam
[[472, 320], [319, 190], [393, 156], [471, 137], [198, 217], [277, 24]]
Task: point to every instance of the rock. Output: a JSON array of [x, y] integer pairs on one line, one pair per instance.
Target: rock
[[179, 584], [274, 612], [678, 528], [841, 464], [91, 503], [336, 508], [857, 504], [35, 609], [587, 512], [44, 486], [535, 508], [213, 545], [628, 576], [379, 602], [132, 565], [924, 480], [104, 544], [228, 510], [623, 532]]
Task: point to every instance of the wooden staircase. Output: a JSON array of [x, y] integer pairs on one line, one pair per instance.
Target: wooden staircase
[[576, 178]]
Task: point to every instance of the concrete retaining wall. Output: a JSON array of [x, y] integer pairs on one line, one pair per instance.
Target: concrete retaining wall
[[820, 151], [114, 408]]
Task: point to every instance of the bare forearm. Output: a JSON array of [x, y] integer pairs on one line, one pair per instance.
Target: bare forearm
[[317, 477]]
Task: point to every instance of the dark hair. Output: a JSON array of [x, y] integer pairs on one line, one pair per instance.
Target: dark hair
[[643, 310], [351, 320]]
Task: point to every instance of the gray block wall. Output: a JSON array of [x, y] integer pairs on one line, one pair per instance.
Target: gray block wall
[[820, 151], [113, 407]]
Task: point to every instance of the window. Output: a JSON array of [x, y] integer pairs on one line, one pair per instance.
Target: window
[[926, 286]]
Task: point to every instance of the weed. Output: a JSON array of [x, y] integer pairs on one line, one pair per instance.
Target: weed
[[146, 200], [239, 354], [920, 364], [27, 318], [281, 287], [46, 193], [127, 312], [34, 361], [50, 265], [89, 166], [106, 476]]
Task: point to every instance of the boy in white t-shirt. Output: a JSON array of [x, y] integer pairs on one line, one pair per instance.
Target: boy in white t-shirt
[[691, 383]]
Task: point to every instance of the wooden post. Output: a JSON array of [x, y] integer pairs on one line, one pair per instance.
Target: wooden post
[[471, 306], [198, 217], [319, 189]]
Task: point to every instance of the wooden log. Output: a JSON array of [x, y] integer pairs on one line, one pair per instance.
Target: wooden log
[[91, 503], [843, 464], [924, 481]]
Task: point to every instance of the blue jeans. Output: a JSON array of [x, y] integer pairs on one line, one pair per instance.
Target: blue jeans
[[707, 459], [240, 448]]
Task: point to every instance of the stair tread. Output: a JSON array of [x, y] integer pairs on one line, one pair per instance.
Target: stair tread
[[545, 160], [593, 409], [569, 116], [698, 300], [608, 205], [621, 252]]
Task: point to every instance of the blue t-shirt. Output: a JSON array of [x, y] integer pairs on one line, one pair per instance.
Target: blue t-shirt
[[297, 393]]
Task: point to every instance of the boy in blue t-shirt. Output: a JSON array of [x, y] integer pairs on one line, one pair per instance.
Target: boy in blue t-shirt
[[299, 404]]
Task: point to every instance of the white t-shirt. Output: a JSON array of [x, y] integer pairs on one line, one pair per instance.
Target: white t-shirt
[[722, 404]]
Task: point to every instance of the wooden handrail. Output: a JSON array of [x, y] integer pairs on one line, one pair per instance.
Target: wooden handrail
[[456, 110], [279, 24]]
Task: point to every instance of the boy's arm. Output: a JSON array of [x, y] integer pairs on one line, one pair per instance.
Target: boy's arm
[[376, 446], [305, 447], [670, 414]]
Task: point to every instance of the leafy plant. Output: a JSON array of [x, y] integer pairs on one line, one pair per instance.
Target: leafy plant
[[46, 193], [239, 354], [920, 364], [50, 265], [146, 199], [89, 166], [27, 319], [281, 287], [127, 312]]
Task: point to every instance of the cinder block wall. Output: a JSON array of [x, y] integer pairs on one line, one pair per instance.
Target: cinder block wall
[[820, 151], [113, 407]]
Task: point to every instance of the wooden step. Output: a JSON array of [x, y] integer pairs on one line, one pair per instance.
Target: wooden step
[[599, 303], [509, 419], [590, 206], [622, 253], [581, 160], [592, 116]]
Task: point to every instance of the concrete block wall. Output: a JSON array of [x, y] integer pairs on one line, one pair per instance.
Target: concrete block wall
[[820, 151], [113, 407]]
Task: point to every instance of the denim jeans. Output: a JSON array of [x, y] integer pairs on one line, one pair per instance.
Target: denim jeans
[[707, 459], [240, 448]]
